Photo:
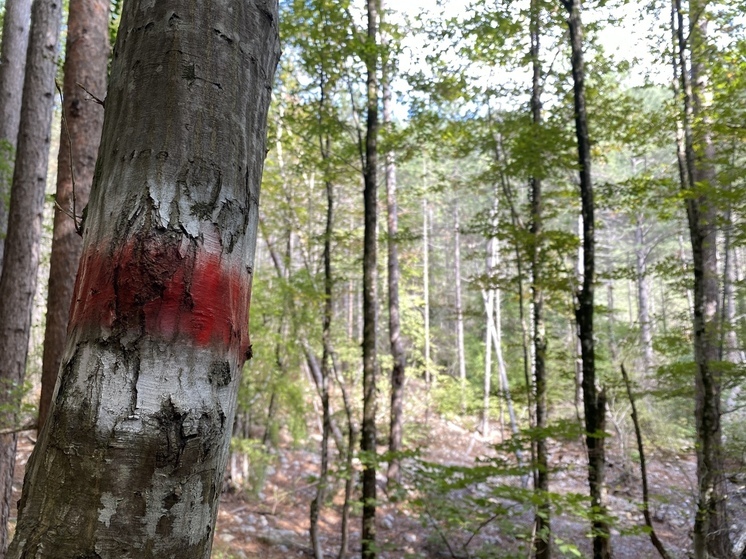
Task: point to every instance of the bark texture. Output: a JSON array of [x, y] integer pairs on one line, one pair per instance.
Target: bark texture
[[370, 278], [16, 22], [86, 60], [711, 537], [21, 260], [131, 462], [543, 539], [594, 402]]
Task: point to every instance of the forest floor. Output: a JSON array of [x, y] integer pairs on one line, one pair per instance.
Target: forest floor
[[272, 523]]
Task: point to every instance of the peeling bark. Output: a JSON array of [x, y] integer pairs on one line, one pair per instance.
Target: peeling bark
[[131, 463]]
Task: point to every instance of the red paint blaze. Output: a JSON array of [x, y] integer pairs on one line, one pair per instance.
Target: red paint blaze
[[150, 285]]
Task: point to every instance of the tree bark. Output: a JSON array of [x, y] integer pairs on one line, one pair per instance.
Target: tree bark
[[86, 60], [131, 461], [543, 539], [594, 403], [21, 259], [395, 340], [12, 71], [370, 277], [643, 296], [711, 537], [459, 307]]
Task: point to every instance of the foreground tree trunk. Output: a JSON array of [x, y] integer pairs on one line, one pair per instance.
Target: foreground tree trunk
[[594, 403], [131, 462], [86, 60], [12, 70], [21, 260], [711, 537], [370, 279]]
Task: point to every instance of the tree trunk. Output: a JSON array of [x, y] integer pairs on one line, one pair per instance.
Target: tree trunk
[[594, 403], [370, 277], [12, 71], [21, 259], [158, 326], [489, 295], [459, 308], [543, 539], [643, 296], [326, 333], [86, 60], [711, 537], [397, 347], [426, 288]]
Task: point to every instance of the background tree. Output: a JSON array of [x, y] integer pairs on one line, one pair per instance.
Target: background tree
[[86, 61], [21, 259], [16, 21]]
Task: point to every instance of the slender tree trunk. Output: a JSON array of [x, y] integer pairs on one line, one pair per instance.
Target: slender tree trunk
[[21, 259], [326, 334], [370, 277], [729, 350], [395, 340], [426, 289], [495, 333], [489, 307], [711, 537], [16, 22], [86, 60], [611, 322], [489, 296], [643, 296], [542, 520], [643, 471], [158, 327], [459, 308], [594, 403]]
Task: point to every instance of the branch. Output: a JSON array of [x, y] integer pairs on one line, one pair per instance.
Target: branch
[[12, 430], [93, 97], [78, 224]]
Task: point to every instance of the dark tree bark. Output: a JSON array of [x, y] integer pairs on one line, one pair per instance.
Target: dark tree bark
[[326, 334], [594, 402], [86, 60], [158, 325], [395, 341], [21, 259], [12, 70], [543, 539], [370, 276]]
